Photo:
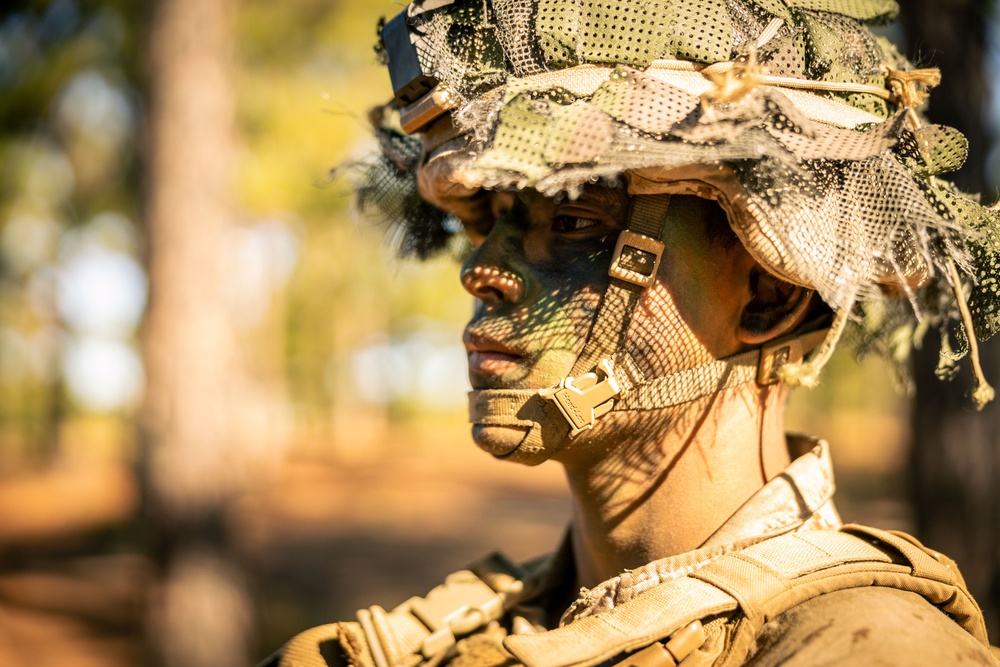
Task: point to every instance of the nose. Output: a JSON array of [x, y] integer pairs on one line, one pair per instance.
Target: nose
[[495, 272], [491, 284]]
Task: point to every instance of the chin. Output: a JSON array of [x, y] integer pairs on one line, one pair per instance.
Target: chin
[[497, 440]]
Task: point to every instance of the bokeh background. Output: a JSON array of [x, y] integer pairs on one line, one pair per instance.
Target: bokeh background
[[228, 414]]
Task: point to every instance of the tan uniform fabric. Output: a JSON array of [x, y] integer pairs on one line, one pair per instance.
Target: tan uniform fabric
[[865, 626]]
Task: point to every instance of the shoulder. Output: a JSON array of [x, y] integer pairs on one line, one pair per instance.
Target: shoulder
[[872, 625]]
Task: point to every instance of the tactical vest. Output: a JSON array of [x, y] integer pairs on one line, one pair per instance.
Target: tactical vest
[[712, 615]]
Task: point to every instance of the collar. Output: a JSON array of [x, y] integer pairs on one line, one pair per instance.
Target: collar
[[800, 498]]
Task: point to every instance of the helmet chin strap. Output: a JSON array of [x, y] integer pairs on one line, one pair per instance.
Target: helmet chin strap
[[604, 377]]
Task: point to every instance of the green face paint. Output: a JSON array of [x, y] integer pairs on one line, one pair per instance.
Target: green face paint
[[538, 272]]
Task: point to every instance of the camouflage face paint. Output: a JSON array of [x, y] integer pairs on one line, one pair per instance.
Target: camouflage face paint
[[538, 272]]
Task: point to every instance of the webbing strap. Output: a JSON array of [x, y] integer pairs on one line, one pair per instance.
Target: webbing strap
[[634, 624], [758, 582], [607, 335], [692, 383], [761, 581], [428, 627], [524, 407]]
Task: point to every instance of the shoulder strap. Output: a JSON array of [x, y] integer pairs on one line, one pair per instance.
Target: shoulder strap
[[751, 586]]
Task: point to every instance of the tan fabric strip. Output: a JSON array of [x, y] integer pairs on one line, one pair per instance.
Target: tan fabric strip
[[776, 81], [583, 80], [747, 579], [607, 335], [648, 215], [923, 564], [608, 331], [502, 407], [692, 383], [523, 407], [629, 626]]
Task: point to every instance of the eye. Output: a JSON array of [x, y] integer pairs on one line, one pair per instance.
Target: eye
[[568, 224], [477, 230]]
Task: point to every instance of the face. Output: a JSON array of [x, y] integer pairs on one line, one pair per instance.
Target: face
[[539, 269]]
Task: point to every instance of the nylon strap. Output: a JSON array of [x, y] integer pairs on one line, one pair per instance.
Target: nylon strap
[[523, 407], [607, 335], [527, 409]]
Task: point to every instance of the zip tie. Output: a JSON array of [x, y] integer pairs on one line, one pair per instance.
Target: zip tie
[[769, 32]]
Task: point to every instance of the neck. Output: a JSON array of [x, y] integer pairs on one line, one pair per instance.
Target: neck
[[639, 497]]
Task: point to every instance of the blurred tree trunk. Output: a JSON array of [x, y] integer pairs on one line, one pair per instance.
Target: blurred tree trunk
[[955, 460], [190, 419]]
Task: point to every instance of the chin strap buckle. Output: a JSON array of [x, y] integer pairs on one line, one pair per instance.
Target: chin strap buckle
[[583, 399]]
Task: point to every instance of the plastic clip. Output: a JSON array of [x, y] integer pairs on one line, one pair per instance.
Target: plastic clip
[[583, 399], [462, 604], [788, 350]]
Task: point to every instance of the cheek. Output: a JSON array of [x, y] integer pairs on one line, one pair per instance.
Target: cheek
[[660, 339], [569, 289], [561, 317], [689, 316]]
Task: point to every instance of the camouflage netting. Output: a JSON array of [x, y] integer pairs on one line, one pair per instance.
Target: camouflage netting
[[845, 201]]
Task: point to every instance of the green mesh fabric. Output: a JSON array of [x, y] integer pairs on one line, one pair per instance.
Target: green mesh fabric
[[698, 34], [601, 39], [387, 191], [984, 302], [853, 211], [473, 46], [841, 49], [862, 10]]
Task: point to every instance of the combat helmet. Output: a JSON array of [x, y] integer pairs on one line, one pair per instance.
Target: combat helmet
[[793, 115]]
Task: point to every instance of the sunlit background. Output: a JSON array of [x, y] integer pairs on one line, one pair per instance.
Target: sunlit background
[[226, 412]]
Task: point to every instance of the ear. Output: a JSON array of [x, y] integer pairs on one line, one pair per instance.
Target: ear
[[774, 309]]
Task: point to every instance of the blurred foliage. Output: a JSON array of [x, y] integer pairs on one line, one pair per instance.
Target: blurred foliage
[[68, 135], [302, 111]]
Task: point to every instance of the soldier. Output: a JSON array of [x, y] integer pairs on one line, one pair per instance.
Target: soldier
[[668, 206]]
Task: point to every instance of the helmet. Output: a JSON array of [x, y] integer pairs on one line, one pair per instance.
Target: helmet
[[791, 114]]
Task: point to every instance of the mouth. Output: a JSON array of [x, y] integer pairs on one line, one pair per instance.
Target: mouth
[[488, 357]]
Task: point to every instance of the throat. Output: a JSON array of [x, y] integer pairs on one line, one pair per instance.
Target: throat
[[648, 500]]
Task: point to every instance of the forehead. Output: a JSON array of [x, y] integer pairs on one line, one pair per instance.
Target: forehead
[[612, 196]]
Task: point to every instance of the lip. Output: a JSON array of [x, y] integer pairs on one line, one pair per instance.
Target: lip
[[488, 356]]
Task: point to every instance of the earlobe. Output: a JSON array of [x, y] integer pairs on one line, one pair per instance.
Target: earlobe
[[775, 308]]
